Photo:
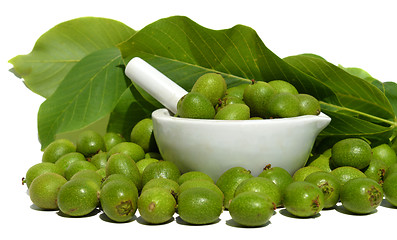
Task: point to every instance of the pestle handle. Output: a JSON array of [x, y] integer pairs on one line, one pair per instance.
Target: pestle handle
[[159, 86]]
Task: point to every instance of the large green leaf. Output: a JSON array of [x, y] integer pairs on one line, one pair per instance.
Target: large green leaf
[[388, 88], [184, 50], [88, 93], [358, 72], [344, 125], [352, 93], [359, 109], [60, 48]]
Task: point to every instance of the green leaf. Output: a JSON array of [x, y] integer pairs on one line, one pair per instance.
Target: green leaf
[[354, 96], [130, 109], [358, 72], [344, 125], [88, 93], [388, 88], [184, 50], [64, 45]]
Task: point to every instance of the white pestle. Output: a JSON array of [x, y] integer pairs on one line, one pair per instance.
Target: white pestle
[[155, 83]]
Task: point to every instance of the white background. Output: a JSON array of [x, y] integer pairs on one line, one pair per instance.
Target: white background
[[351, 33]]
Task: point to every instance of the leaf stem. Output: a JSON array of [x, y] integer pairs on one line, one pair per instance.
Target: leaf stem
[[392, 123]]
